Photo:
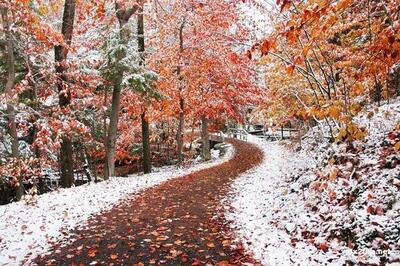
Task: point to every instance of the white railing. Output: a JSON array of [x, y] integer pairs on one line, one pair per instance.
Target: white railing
[[237, 133]]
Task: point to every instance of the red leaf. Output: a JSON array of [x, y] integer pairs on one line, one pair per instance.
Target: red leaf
[[92, 252], [265, 47], [290, 69], [323, 246]]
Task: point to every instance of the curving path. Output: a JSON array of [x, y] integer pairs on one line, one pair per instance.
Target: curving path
[[179, 222]]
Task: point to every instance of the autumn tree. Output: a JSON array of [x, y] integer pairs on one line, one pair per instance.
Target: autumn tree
[[115, 76], [61, 53], [144, 119], [9, 87], [186, 65], [181, 119], [343, 51], [205, 73], [169, 20]]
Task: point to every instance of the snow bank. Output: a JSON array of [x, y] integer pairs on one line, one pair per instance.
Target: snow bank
[[329, 204], [257, 197], [27, 231]]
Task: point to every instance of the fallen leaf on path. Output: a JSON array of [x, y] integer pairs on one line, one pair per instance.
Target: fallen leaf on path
[[92, 252]]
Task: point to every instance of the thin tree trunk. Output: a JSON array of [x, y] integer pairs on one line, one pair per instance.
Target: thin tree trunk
[[15, 146], [180, 133], [106, 172], [123, 16], [38, 183], [168, 148], [8, 88], [192, 134], [145, 123], [9, 50], [146, 144], [111, 138], [61, 53], [205, 139]]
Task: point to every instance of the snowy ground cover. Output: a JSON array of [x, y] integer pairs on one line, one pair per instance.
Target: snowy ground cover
[[329, 204], [257, 198], [27, 230]]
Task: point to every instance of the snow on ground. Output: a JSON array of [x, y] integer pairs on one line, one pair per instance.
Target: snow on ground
[[26, 231], [257, 198], [329, 204]]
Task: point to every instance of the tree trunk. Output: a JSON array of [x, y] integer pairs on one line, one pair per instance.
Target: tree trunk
[[145, 123], [377, 92], [191, 136], [106, 172], [61, 53], [111, 138], [123, 16], [179, 134], [66, 163], [205, 139], [38, 182], [15, 146], [9, 50], [168, 144], [8, 88], [146, 144]]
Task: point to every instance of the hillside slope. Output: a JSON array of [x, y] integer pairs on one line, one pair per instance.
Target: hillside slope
[[327, 204]]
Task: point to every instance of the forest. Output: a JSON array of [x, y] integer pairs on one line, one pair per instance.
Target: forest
[[200, 132], [111, 81]]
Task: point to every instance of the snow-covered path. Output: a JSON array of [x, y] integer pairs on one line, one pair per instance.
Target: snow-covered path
[[26, 231], [258, 198]]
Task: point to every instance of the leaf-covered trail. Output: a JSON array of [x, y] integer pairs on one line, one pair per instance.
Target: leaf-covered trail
[[176, 223]]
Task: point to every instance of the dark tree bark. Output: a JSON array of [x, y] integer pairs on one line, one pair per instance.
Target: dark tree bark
[[377, 91], [8, 88], [146, 144], [61, 53], [145, 123], [205, 139], [123, 16]]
